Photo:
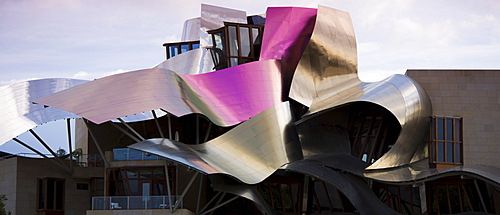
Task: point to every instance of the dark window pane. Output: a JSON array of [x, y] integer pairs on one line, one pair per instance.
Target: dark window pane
[[41, 194], [449, 129], [50, 194], [59, 195], [449, 152], [196, 46], [132, 173], [233, 41], [245, 41], [458, 150], [458, 130], [276, 196], [433, 129], [184, 48], [146, 173], [440, 152], [440, 129]]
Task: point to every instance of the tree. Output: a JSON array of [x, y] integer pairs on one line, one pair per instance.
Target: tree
[[3, 198]]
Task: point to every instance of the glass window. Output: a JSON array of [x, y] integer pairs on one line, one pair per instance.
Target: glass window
[[172, 51], [50, 194], [245, 41], [184, 48], [446, 140], [196, 46], [233, 41]]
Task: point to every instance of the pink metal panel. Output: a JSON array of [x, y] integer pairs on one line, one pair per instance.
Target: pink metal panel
[[226, 97]]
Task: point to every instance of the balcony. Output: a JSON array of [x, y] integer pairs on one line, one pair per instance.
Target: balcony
[[125, 154], [134, 202]]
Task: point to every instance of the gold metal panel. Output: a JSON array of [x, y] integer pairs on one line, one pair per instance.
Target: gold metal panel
[[249, 152]]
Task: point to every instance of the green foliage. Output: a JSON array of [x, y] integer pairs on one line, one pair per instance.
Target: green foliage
[[3, 198], [60, 152]]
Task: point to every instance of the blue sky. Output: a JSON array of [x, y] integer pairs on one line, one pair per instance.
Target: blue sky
[[89, 39]]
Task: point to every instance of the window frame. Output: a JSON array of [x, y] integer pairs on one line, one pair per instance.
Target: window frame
[[456, 140], [179, 45], [42, 185]]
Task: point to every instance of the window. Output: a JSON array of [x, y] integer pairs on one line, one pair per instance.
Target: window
[[446, 140], [145, 181], [50, 195], [235, 44], [174, 49]]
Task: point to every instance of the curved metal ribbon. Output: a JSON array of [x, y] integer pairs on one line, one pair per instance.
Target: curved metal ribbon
[[20, 115], [226, 97], [249, 152], [326, 77]]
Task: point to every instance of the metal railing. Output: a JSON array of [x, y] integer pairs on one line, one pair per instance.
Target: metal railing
[[125, 154], [133, 202], [89, 160]]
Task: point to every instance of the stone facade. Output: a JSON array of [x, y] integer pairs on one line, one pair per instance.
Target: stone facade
[[473, 95]]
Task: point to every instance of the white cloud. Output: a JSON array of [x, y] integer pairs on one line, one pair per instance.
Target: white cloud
[[82, 75]]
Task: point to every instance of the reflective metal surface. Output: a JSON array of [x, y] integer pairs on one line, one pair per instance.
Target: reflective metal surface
[[287, 32], [229, 185], [20, 115], [420, 172], [326, 77], [187, 63], [329, 63], [249, 152], [226, 97], [191, 30], [354, 188]]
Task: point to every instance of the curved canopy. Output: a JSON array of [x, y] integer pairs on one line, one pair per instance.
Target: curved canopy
[[20, 115]]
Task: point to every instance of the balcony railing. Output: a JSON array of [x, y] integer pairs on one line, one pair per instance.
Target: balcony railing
[[89, 160], [126, 154], [133, 202]]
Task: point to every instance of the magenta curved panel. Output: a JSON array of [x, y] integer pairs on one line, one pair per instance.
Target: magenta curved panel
[[226, 97]]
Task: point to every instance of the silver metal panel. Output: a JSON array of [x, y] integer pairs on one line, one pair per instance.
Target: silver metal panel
[[187, 63], [420, 172], [326, 77], [191, 30], [354, 188], [17, 112], [249, 152], [226, 97]]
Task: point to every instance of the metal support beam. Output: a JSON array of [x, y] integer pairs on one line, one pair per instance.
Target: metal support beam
[[65, 168], [220, 205], [423, 198], [131, 129], [125, 132], [68, 126], [57, 159], [169, 192], [210, 202], [157, 124], [96, 143], [480, 196], [199, 194], [216, 204], [184, 192]]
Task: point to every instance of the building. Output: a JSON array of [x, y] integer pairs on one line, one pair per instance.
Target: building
[[261, 115]]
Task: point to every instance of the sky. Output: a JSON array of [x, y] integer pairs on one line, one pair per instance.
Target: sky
[[88, 39]]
